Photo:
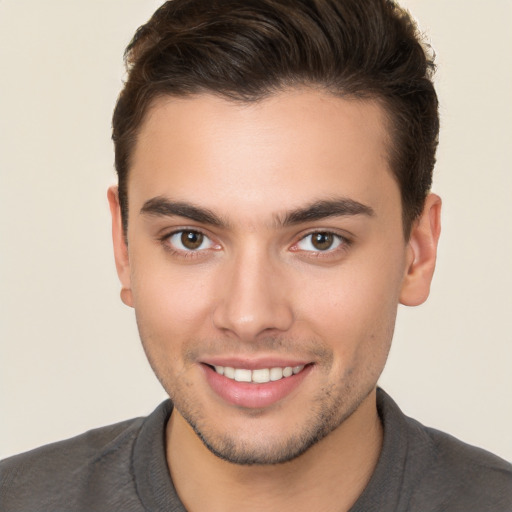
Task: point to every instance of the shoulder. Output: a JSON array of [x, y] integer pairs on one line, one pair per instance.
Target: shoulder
[[60, 473], [424, 469], [459, 476]]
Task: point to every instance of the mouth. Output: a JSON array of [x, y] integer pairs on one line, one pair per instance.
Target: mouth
[[254, 388], [260, 375]]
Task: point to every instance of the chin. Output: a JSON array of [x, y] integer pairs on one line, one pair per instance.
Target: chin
[[273, 445]]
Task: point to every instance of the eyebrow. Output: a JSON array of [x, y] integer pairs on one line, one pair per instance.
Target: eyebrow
[[318, 210], [162, 207]]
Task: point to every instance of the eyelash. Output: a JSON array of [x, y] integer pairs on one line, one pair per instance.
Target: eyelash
[[343, 244], [183, 253]]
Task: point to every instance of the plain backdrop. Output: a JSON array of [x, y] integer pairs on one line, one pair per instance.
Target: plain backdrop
[[70, 357]]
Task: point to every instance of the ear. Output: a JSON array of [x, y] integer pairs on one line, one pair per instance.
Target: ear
[[120, 248], [421, 253]]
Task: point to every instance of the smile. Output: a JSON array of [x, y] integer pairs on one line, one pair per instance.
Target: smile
[[258, 376], [253, 385]]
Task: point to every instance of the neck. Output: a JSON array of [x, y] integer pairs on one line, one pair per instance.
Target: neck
[[330, 476]]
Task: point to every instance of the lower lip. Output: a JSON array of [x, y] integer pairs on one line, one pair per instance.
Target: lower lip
[[253, 395]]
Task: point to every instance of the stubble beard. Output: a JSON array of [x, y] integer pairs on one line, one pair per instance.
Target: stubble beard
[[332, 405], [327, 417]]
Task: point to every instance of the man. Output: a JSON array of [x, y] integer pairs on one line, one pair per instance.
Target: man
[[273, 209]]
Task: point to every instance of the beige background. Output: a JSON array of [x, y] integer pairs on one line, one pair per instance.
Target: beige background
[[70, 357]]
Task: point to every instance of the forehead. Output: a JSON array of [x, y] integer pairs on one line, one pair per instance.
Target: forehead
[[256, 158]]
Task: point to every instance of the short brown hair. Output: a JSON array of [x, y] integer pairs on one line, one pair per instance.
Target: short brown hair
[[245, 50]]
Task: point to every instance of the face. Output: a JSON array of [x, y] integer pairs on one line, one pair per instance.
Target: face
[[265, 263]]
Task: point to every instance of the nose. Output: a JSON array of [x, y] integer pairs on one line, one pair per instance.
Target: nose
[[253, 298]]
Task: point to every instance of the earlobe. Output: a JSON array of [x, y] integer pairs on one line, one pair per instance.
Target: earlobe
[[120, 248], [422, 253]]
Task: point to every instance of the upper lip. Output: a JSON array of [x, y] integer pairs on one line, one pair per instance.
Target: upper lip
[[254, 363]]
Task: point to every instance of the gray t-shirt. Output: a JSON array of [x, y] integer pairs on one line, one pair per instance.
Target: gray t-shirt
[[123, 468]]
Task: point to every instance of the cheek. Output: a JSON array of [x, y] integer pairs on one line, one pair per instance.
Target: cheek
[[353, 308], [171, 303]]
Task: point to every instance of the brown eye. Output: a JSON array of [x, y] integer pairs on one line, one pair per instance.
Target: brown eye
[[189, 241], [322, 241], [192, 239]]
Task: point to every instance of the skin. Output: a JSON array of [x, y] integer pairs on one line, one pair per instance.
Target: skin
[[258, 290]]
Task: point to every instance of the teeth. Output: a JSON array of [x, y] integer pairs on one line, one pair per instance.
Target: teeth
[[260, 376], [276, 374], [229, 372], [243, 375], [288, 371]]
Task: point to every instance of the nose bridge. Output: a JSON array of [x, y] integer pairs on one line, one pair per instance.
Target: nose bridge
[[253, 297]]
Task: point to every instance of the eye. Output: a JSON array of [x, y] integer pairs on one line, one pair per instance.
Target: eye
[[189, 240], [320, 241]]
